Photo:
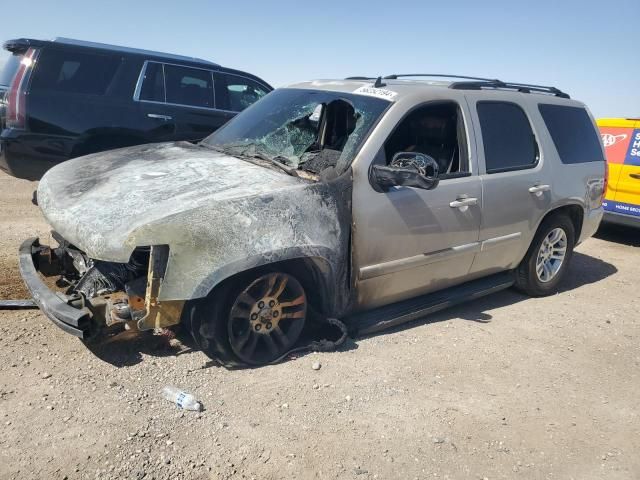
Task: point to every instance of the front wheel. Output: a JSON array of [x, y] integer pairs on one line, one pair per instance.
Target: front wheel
[[548, 257], [253, 321]]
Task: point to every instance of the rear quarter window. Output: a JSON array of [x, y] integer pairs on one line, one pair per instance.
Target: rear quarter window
[[74, 72], [573, 133]]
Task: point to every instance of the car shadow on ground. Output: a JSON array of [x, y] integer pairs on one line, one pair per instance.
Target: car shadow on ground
[[584, 270], [127, 349], [619, 234]]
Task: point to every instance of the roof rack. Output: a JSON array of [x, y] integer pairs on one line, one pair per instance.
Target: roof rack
[[443, 75], [477, 83], [520, 87]]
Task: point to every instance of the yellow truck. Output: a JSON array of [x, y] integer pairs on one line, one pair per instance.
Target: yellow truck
[[621, 140]]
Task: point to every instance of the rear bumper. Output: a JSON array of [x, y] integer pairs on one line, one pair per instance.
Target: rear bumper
[[56, 307]]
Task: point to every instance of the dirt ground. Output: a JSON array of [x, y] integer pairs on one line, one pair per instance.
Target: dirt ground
[[504, 387]]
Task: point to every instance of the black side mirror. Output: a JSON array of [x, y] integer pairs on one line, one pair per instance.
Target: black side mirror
[[408, 169]]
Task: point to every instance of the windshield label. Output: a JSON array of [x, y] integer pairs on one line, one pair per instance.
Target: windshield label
[[376, 92]]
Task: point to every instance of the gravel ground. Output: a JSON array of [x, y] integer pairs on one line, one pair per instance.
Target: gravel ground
[[504, 387]]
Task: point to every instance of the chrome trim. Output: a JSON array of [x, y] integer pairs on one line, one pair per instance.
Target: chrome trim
[[401, 264], [136, 92], [143, 71], [188, 106], [497, 241]]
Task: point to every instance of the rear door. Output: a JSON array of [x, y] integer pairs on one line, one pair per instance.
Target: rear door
[[516, 191]]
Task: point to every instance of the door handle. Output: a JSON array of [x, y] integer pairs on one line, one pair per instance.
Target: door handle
[[635, 175], [538, 190], [159, 117], [463, 201]]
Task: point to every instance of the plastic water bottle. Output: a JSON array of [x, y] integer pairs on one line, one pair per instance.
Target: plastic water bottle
[[184, 400]]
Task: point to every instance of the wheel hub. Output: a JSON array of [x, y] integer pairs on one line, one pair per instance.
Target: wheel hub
[[265, 315]]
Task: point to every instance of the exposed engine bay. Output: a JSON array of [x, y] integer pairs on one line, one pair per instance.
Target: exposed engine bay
[[116, 294]]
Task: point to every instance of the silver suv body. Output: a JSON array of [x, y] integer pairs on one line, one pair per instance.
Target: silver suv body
[[371, 202]]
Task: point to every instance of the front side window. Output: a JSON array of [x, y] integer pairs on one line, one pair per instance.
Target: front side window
[[73, 72], [573, 133], [242, 92], [509, 142], [436, 130], [189, 86], [309, 130]]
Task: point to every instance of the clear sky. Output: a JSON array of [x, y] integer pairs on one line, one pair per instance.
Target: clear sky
[[587, 48]]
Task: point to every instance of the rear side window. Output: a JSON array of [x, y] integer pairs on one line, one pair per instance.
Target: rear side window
[[189, 86], [73, 72], [509, 142], [573, 133], [153, 83], [243, 92]]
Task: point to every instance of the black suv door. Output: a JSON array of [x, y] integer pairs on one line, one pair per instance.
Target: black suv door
[[177, 102]]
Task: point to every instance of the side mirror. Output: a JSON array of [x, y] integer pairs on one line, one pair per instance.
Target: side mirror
[[408, 169]]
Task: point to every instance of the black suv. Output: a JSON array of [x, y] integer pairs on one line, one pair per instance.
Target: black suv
[[69, 98]]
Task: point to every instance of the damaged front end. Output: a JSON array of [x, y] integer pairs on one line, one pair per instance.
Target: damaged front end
[[93, 297]]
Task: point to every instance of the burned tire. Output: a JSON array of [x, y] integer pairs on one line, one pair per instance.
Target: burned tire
[[548, 257], [252, 321]]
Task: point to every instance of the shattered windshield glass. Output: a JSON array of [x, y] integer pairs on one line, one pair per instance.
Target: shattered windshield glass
[[301, 129]]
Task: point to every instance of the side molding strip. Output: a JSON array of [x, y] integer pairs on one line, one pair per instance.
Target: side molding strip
[[497, 241], [399, 265]]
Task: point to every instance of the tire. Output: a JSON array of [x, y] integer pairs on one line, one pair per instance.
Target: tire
[[537, 277], [251, 321]]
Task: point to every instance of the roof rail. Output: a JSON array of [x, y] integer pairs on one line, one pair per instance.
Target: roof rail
[[443, 75], [476, 83], [520, 87]]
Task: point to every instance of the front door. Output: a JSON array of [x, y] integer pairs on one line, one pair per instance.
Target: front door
[[409, 241]]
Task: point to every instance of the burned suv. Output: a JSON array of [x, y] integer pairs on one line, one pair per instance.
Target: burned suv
[[374, 202]]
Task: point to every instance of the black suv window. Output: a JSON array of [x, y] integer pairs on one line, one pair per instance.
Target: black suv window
[[509, 143], [74, 72], [189, 86], [572, 132], [243, 92], [153, 83], [10, 68]]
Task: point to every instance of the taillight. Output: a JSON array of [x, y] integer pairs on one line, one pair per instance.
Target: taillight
[[17, 95]]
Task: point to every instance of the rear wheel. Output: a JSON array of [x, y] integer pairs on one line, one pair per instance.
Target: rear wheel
[[548, 257], [253, 321]]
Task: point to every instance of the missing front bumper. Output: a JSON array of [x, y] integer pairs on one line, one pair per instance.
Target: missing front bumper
[[86, 316], [65, 311]]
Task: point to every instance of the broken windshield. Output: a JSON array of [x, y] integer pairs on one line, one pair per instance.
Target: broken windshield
[[301, 129]]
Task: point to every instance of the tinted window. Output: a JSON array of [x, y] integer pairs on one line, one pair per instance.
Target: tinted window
[[153, 83], [573, 133], [189, 86], [67, 71], [9, 70], [509, 143], [243, 92]]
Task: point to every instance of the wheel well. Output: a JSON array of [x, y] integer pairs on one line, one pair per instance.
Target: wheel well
[[313, 273], [574, 212]]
